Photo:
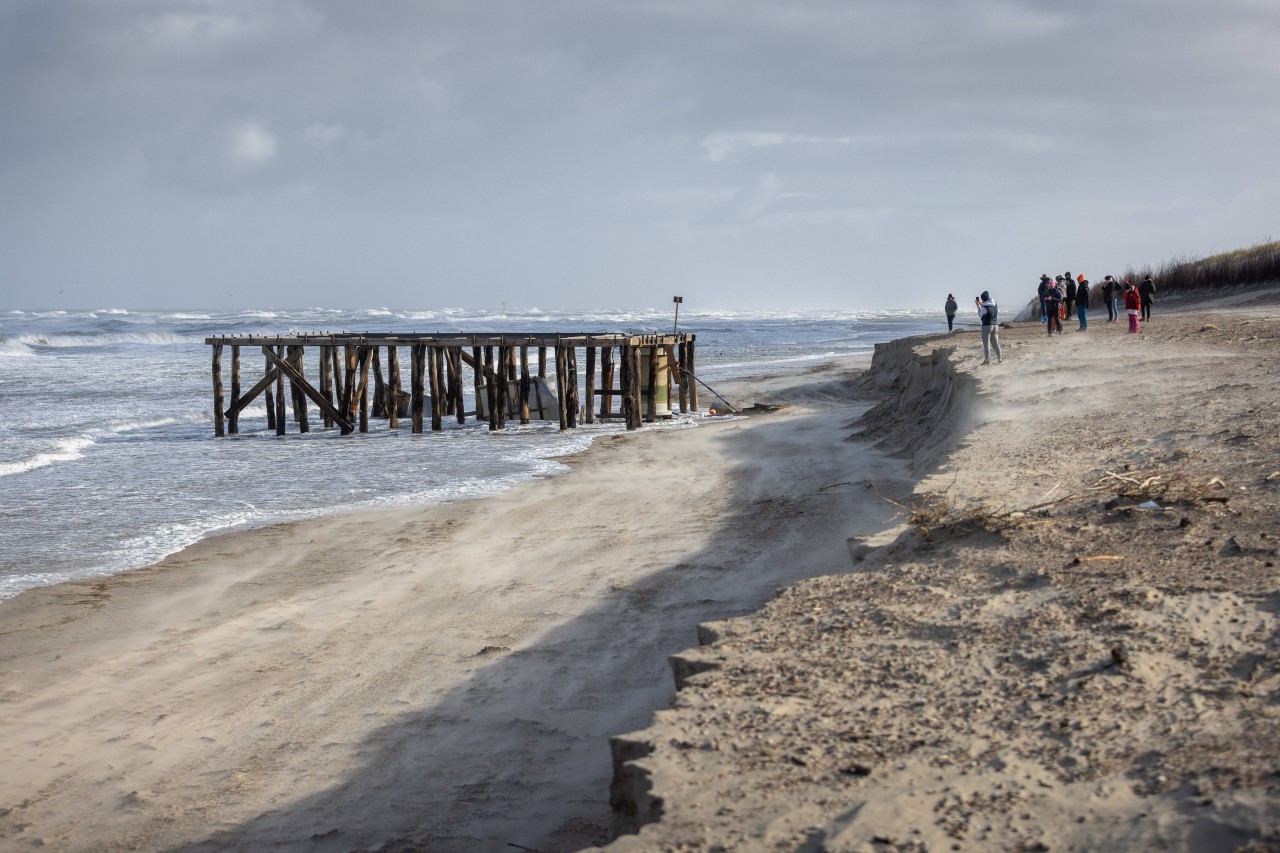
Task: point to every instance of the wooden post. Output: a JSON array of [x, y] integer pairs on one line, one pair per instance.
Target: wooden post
[[588, 408], [270, 398], [280, 424], [415, 387], [477, 376], [350, 396], [379, 387], [524, 385], [504, 356], [491, 389], [449, 389], [683, 379], [326, 382], [219, 426], [571, 380], [459, 409], [233, 422], [624, 387], [637, 413], [299, 398], [668, 374], [607, 379], [562, 387], [366, 354], [651, 404], [339, 382], [542, 362], [693, 371], [433, 380], [393, 386]]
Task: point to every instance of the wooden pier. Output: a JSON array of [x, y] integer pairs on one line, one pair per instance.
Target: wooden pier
[[640, 371]]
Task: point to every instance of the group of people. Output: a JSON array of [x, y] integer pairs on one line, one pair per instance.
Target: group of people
[[1058, 297], [1060, 294]]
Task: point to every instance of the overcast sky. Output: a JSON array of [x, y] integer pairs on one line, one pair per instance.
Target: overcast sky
[[583, 154]]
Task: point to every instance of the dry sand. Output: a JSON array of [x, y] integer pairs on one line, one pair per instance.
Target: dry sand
[[1071, 643], [440, 679]]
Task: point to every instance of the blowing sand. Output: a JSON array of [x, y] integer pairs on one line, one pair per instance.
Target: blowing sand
[[440, 679], [1071, 643], [979, 674]]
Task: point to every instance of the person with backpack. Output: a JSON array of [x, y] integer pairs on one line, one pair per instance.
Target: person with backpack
[[1082, 303], [1053, 305], [1044, 285], [1132, 305], [951, 307], [987, 313], [1109, 297], [1147, 295]]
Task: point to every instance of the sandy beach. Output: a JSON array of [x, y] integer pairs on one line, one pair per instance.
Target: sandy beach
[[1069, 643], [442, 679], [973, 635]]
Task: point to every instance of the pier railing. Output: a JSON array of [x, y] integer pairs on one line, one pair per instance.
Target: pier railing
[[642, 372]]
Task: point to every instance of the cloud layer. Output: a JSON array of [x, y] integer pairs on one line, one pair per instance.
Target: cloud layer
[[591, 154]]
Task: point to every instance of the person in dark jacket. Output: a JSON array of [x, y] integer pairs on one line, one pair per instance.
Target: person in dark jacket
[[951, 307], [987, 313], [1052, 305], [1082, 303], [1070, 284], [1045, 284], [1147, 293], [1109, 296]]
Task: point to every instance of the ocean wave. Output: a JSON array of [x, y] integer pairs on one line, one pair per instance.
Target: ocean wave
[[56, 341], [66, 450]]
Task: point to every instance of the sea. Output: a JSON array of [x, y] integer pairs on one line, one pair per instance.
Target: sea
[[108, 459]]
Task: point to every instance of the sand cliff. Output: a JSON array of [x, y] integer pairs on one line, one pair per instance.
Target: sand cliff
[[1070, 642]]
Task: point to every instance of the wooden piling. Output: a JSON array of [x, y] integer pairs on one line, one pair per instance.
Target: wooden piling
[[683, 379], [607, 378], [651, 403], [504, 356], [571, 380], [393, 387], [280, 424], [379, 387], [693, 371], [589, 400], [524, 385], [326, 382], [295, 389], [459, 406], [219, 425], [491, 389], [437, 393], [561, 387]]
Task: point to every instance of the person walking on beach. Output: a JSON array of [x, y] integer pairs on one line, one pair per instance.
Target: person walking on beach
[[1044, 286], [987, 313], [1147, 294], [1082, 303], [1132, 305], [1053, 305], [1070, 301], [1109, 297], [951, 307]]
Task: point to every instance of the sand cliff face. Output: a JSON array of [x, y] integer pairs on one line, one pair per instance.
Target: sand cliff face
[[1071, 642]]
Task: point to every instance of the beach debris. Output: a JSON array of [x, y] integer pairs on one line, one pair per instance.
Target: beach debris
[[1274, 475], [1149, 505]]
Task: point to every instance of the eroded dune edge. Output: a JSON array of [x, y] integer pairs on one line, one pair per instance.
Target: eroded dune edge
[[1070, 642]]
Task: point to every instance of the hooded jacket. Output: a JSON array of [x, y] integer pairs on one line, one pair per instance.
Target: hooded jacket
[[988, 309]]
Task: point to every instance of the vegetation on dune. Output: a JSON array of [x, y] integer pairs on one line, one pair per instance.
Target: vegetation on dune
[[1254, 265]]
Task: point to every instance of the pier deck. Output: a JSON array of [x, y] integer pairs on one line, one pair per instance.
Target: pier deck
[[646, 369]]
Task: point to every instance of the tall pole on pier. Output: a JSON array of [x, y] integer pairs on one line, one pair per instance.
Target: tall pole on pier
[[675, 327]]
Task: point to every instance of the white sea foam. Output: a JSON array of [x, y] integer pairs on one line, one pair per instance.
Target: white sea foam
[[67, 450]]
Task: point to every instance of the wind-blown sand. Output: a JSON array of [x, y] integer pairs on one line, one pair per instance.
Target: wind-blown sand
[[446, 677], [1073, 646], [450, 678]]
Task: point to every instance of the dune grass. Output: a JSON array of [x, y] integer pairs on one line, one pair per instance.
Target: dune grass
[[1253, 265]]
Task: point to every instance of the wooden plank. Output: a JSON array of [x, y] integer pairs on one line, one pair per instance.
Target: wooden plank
[[219, 425], [281, 366], [270, 395]]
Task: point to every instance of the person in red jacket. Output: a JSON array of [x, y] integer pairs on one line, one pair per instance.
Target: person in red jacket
[[1132, 304]]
